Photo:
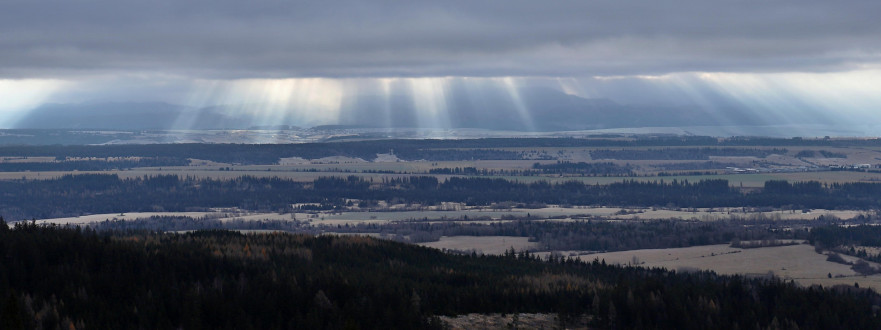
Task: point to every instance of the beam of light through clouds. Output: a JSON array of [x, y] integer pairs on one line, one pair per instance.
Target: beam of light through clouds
[[311, 63], [386, 90], [430, 97], [18, 95], [524, 113], [839, 98]]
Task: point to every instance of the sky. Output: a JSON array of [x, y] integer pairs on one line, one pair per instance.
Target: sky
[[779, 59]]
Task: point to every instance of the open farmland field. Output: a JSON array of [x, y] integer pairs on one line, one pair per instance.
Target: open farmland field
[[219, 214], [796, 262], [482, 244], [735, 180], [564, 214], [800, 262], [92, 218], [26, 159], [472, 215]]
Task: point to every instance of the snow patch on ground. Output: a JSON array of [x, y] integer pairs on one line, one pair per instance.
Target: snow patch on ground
[[386, 158]]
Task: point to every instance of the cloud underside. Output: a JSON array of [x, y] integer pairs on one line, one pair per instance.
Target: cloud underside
[[244, 39]]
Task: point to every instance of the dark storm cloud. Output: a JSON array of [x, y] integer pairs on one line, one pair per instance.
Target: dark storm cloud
[[235, 39]]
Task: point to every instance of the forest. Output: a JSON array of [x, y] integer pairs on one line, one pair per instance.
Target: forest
[[73, 195], [79, 278], [861, 241], [831, 236]]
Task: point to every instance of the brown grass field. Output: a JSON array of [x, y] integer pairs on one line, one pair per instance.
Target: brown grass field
[[735, 180], [482, 244], [474, 215], [9, 159], [796, 262], [799, 263]]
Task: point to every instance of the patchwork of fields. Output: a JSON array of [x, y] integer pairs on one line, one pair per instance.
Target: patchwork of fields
[[744, 167]]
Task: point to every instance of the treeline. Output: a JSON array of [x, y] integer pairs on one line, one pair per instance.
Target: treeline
[[78, 279], [682, 153], [859, 241], [558, 168], [93, 165], [21, 147], [432, 150], [486, 191], [436, 150], [584, 169], [38, 137], [832, 236], [184, 223], [591, 235], [689, 173], [73, 195]]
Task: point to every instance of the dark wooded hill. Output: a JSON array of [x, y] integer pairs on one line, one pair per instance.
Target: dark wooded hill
[[80, 279]]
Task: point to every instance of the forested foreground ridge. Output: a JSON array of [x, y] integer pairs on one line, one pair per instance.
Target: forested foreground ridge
[[81, 279], [73, 195]]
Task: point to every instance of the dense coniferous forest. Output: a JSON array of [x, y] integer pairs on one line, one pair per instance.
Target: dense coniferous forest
[[77, 278], [831, 236], [860, 241], [556, 169], [271, 153], [73, 195]]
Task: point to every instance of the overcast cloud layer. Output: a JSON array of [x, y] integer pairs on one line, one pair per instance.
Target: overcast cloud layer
[[248, 39]]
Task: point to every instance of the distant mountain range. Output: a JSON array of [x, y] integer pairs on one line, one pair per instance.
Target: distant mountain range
[[124, 116], [495, 108]]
